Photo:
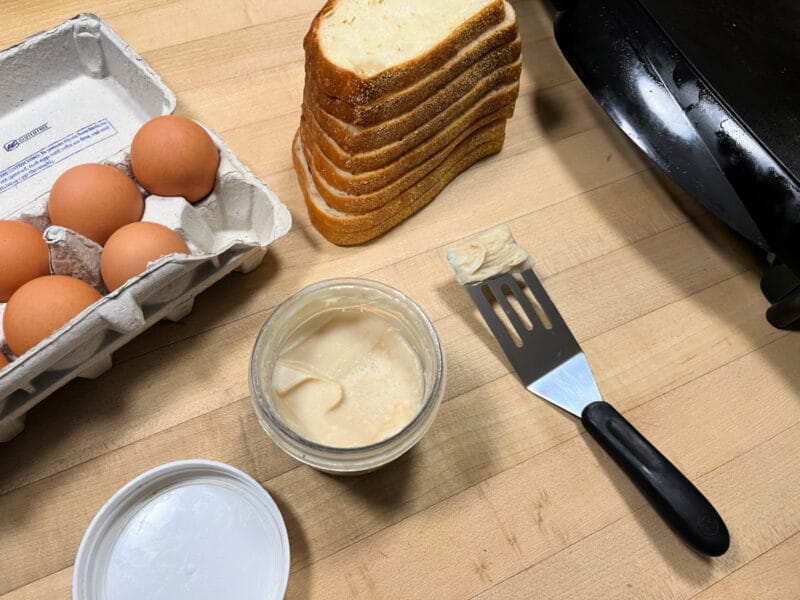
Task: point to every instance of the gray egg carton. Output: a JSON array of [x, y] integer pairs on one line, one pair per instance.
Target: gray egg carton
[[75, 94]]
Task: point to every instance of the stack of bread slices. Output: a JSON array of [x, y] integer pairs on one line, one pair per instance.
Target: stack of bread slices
[[400, 97]]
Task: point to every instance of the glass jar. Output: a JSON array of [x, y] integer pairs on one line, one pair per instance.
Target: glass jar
[[403, 314]]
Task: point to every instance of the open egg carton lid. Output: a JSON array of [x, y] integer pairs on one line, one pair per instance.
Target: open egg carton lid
[[74, 94]]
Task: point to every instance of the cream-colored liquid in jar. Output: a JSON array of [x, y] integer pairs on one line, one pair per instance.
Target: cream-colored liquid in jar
[[347, 377]]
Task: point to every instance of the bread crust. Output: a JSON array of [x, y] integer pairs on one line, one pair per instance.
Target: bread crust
[[451, 100], [350, 87], [364, 203], [349, 230], [505, 37], [353, 191], [375, 159]]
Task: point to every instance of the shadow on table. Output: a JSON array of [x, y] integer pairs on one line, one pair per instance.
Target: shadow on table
[[455, 296], [386, 489], [382, 495], [299, 587]]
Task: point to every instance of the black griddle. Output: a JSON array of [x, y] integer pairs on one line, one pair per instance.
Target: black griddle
[[711, 92]]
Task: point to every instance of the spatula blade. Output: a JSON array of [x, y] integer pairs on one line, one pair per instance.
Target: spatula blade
[[570, 386]]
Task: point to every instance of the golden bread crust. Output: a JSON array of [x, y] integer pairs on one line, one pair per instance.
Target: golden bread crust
[[361, 192], [444, 106], [348, 230], [376, 159]]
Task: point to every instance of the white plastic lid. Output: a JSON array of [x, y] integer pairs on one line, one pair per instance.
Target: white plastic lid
[[192, 529]]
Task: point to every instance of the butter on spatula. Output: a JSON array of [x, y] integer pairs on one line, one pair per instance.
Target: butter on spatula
[[487, 254]]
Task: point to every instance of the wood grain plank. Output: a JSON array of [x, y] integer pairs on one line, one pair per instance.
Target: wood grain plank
[[186, 21], [56, 586], [153, 24], [757, 492], [24, 18], [201, 62], [772, 576]]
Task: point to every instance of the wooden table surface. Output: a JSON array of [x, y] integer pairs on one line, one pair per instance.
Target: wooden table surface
[[505, 496]]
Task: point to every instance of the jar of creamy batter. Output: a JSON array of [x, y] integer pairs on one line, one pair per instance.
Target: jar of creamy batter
[[347, 375]]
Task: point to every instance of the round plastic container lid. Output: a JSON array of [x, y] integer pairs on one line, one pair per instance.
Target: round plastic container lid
[[192, 529]]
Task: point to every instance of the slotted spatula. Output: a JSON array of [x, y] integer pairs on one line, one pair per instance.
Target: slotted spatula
[[550, 364]]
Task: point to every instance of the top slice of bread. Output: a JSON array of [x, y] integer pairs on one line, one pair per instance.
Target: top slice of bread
[[396, 103], [407, 40]]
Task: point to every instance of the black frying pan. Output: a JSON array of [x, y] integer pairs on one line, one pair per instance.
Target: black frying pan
[[710, 91]]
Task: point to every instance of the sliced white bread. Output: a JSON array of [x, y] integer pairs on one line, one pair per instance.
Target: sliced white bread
[[454, 115], [360, 50], [347, 229], [370, 201], [504, 35], [451, 100], [363, 192]]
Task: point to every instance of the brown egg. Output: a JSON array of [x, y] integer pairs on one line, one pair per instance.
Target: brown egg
[[42, 306], [23, 256], [174, 156], [128, 252], [3, 361], [95, 200]]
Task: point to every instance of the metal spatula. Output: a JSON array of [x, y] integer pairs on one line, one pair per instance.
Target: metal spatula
[[550, 364]]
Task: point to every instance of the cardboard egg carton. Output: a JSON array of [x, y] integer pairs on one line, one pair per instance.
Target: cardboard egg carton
[[76, 94]]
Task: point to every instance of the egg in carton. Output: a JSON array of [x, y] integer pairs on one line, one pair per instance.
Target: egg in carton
[[231, 229]]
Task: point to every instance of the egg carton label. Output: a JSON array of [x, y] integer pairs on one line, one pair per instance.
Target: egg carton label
[[12, 145], [50, 155]]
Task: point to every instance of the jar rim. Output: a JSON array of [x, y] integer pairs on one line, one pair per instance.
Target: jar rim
[[429, 401]]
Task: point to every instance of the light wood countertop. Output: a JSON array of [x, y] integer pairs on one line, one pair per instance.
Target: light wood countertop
[[505, 496]]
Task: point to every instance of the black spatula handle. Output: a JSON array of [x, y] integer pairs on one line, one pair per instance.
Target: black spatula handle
[[676, 499]]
